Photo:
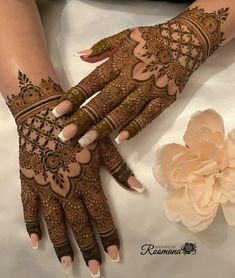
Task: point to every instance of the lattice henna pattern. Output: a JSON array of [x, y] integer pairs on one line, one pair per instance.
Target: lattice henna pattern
[[148, 72], [62, 178]]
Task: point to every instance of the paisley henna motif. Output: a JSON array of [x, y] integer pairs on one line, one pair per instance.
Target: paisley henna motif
[[61, 178], [148, 72]]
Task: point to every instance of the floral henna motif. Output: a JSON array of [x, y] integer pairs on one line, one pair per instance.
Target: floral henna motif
[[62, 178], [178, 47], [151, 68]]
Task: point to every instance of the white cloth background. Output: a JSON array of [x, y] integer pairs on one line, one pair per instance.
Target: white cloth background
[[75, 25]]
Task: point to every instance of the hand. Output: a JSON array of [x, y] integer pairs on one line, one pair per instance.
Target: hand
[[63, 179], [148, 68]]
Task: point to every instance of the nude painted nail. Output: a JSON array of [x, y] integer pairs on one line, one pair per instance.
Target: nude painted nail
[[64, 107], [123, 136], [86, 52], [88, 138], [116, 260], [62, 137], [68, 132], [97, 274], [113, 253], [135, 184], [34, 241]]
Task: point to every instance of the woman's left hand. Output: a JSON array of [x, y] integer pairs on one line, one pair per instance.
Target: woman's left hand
[[148, 68]]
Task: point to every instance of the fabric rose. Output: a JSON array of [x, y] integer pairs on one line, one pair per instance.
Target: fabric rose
[[199, 176]]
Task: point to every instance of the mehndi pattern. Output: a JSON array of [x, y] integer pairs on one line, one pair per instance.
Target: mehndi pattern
[[62, 179], [145, 76]]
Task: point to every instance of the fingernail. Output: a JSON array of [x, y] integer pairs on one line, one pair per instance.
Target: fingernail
[[62, 137], [86, 52], [135, 184], [116, 260], [67, 264], [34, 241], [113, 253], [88, 138], [35, 247], [64, 107], [123, 135], [68, 132], [97, 274]]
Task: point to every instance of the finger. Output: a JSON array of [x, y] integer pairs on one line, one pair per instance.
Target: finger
[[94, 268], [99, 211], [62, 108], [85, 52], [100, 57], [34, 240], [149, 113], [114, 253], [107, 44], [67, 261], [30, 202], [114, 163], [99, 106], [77, 216], [91, 84], [130, 106], [55, 220], [172, 88]]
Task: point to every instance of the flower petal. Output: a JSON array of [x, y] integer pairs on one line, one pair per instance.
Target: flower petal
[[217, 192], [179, 208], [166, 158], [229, 212], [213, 152], [178, 167], [202, 225], [200, 191], [227, 182], [204, 124], [230, 148]]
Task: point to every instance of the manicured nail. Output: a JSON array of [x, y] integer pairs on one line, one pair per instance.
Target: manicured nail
[[116, 260], [68, 132], [88, 138], [62, 137], [35, 247], [34, 241], [123, 136], [64, 107], [97, 274], [67, 264], [114, 253], [135, 184], [86, 52]]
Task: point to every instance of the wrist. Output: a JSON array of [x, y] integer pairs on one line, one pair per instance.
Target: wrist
[[32, 98], [206, 26]]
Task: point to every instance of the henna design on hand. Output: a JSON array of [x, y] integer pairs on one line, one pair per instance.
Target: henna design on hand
[[62, 179], [145, 76]]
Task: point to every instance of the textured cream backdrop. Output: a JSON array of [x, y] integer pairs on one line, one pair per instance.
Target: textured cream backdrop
[[75, 25]]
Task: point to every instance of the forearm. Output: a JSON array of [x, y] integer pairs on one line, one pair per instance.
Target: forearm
[[23, 46], [227, 26]]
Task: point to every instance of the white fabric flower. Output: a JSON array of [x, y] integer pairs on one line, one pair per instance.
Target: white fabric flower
[[199, 176]]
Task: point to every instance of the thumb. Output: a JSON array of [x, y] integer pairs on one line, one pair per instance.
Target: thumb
[[105, 48]]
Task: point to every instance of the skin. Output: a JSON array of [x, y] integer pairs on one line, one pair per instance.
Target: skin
[[90, 132], [23, 53]]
